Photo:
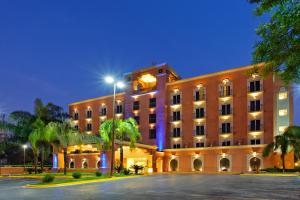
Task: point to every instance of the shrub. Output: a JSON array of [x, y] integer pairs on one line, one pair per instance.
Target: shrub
[[137, 168], [126, 171], [98, 173], [48, 178], [76, 175]]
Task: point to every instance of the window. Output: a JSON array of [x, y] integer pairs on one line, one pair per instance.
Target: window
[[152, 118], [89, 127], [226, 128], [176, 115], [176, 146], [255, 86], [200, 130], [152, 133], [119, 109], [103, 111], [199, 144], [199, 113], [176, 99], [226, 143], [152, 102], [255, 106], [136, 105], [254, 141], [283, 112], [199, 94], [255, 125], [225, 88], [176, 132], [224, 164], [137, 119], [226, 109], [89, 114], [282, 95], [76, 116], [281, 129]]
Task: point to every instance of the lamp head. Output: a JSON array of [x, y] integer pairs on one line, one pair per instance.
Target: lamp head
[[109, 79], [24, 146], [120, 85]]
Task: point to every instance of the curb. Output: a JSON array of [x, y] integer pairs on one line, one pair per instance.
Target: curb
[[76, 183], [274, 175]]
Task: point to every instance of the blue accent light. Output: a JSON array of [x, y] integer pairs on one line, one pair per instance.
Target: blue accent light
[[160, 135], [55, 161], [103, 160]]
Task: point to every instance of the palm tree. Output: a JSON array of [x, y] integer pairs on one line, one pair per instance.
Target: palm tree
[[286, 142], [38, 139], [63, 134], [124, 129]]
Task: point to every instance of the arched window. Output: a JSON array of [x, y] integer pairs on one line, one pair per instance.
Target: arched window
[[197, 164], [255, 164], [173, 165], [225, 88], [98, 164], [72, 164], [84, 164], [224, 164]]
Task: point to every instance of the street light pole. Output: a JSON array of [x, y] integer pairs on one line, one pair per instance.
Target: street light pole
[[116, 84], [113, 135], [24, 147]]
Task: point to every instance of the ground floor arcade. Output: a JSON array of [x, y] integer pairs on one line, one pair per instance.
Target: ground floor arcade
[[235, 159]]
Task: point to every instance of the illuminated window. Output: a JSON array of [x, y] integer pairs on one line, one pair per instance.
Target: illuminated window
[[200, 130], [137, 119], [89, 113], [103, 111], [136, 105], [89, 127], [226, 143], [152, 102], [282, 128], [176, 132], [254, 141], [199, 113], [119, 109], [283, 112], [199, 94], [152, 133], [76, 116], [152, 118], [199, 144], [282, 95]]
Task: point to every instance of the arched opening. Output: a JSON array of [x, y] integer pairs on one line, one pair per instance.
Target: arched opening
[[255, 164], [72, 164], [84, 164], [98, 164], [224, 164], [173, 165], [197, 164]]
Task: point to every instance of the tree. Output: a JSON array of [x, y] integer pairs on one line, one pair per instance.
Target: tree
[[125, 130], [279, 46], [63, 134], [285, 143]]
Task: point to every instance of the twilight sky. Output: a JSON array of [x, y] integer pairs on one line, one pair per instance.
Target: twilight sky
[[59, 51]]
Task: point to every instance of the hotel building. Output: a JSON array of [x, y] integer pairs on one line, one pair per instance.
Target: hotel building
[[218, 122]]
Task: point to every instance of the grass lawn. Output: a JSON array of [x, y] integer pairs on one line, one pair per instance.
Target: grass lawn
[[60, 178]]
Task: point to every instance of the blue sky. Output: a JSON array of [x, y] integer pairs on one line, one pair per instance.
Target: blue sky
[[59, 50]]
